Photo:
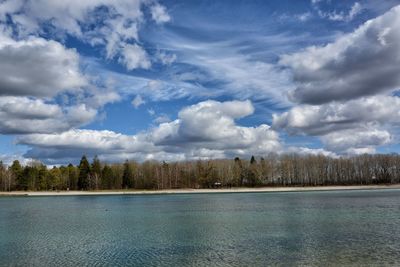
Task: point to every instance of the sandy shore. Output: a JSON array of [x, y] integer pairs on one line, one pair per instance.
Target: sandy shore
[[190, 191]]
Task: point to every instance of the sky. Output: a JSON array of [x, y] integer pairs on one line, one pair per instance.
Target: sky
[[188, 80]]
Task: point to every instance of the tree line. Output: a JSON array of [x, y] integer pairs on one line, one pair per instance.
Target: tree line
[[272, 170]]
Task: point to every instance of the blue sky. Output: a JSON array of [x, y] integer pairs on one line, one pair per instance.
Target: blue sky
[[187, 80]]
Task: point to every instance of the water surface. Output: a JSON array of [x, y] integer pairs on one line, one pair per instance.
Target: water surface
[[337, 228]]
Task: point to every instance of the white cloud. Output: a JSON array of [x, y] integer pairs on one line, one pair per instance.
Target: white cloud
[[356, 141], [355, 9], [154, 85], [341, 16], [42, 89], [134, 56], [100, 98], [204, 130], [162, 119], [38, 67], [8, 159], [231, 66], [318, 120], [310, 151], [154, 90], [166, 59], [22, 115], [86, 139], [315, 1], [348, 68], [248, 78], [211, 125], [159, 14], [352, 127], [137, 101], [352, 110], [112, 24], [304, 17]]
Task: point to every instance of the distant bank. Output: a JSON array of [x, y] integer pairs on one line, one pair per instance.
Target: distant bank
[[197, 191]]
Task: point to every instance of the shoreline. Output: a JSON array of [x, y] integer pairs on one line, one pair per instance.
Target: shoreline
[[199, 191]]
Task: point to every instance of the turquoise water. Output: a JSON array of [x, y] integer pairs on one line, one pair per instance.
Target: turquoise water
[[338, 228]]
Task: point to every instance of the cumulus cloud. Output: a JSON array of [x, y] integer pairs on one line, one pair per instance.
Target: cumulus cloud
[[211, 125], [8, 159], [86, 139], [70, 145], [330, 117], [362, 63], [356, 141], [38, 67], [204, 130], [23, 115], [42, 88], [310, 151], [206, 121], [352, 127], [111, 24]]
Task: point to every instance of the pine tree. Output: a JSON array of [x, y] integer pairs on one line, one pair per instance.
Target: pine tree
[[84, 172], [253, 160], [106, 176], [17, 172], [127, 178]]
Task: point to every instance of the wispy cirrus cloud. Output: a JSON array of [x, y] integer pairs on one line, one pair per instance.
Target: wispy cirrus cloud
[[335, 15]]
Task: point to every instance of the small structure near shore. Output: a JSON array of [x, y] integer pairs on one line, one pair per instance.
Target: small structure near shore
[[217, 185]]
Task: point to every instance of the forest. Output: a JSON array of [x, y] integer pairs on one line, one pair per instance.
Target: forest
[[272, 170]]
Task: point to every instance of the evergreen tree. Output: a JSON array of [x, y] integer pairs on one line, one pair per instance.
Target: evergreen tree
[[84, 172], [106, 176], [30, 175], [127, 177], [253, 160], [17, 172]]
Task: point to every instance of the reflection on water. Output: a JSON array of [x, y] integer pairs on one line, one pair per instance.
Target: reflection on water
[[352, 228]]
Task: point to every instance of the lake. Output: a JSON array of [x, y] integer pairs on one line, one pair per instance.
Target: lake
[[335, 228]]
